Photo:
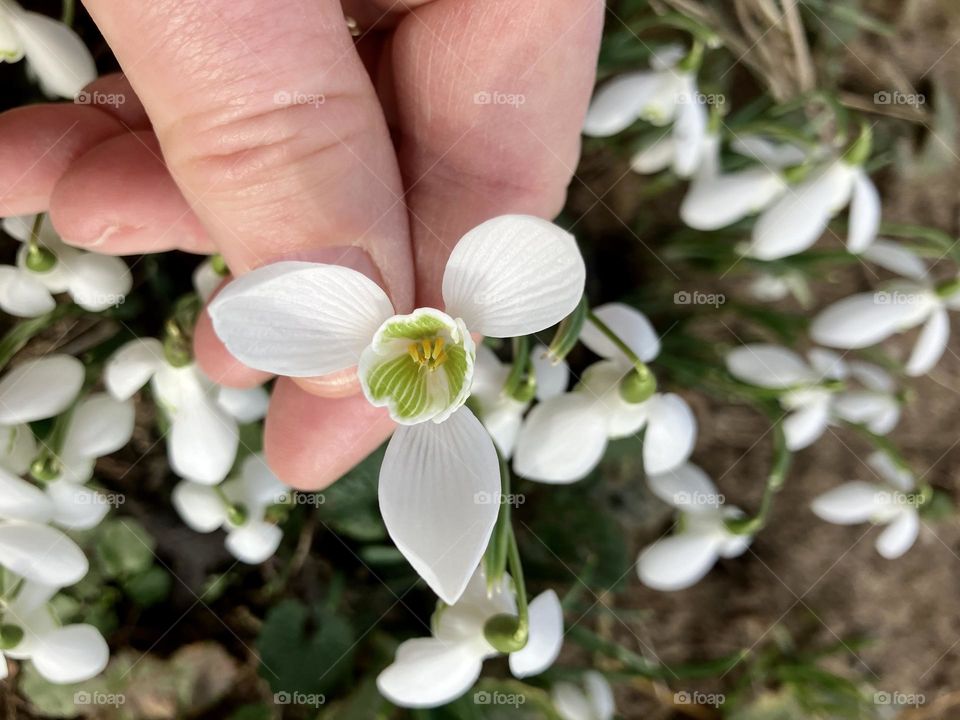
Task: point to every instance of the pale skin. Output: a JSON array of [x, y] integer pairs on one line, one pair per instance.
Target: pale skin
[[253, 129]]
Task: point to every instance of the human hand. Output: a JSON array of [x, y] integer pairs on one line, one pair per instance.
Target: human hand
[[258, 133]]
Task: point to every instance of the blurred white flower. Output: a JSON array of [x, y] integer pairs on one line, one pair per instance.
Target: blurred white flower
[[61, 654], [55, 54], [238, 506], [512, 275], [801, 215], [865, 319], [203, 437], [888, 502], [666, 94], [432, 671], [683, 558], [95, 282], [207, 277], [564, 438], [592, 702], [807, 396], [34, 551]]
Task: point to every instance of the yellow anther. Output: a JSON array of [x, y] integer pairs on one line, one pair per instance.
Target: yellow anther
[[413, 350], [437, 349], [428, 352]]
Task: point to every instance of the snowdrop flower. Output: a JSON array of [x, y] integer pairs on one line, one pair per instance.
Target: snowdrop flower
[[683, 558], [717, 199], [593, 702], [512, 275], [238, 506], [203, 437], [500, 413], [564, 438], [30, 549], [55, 54], [865, 319], [800, 216], [432, 671], [666, 94], [892, 502], [812, 393], [769, 287], [94, 282], [61, 654], [208, 275], [34, 390]]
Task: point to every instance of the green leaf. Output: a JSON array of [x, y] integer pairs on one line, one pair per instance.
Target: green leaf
[[149, 587], [304, 651], [350, 505], [124, 548]]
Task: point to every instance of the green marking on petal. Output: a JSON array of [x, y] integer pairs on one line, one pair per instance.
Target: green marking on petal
[[456, 367], [413, 327], [401, 380]]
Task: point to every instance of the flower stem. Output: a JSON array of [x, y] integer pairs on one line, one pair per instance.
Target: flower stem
[[775, 481], [518, 381], [21, 333], [495, 560], [615, 339], [516, 572]]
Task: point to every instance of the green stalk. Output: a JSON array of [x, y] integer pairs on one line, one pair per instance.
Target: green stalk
[[775, 481], [21, 333]]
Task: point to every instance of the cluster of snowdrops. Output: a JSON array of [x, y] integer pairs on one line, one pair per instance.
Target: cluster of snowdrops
[[467, 418]]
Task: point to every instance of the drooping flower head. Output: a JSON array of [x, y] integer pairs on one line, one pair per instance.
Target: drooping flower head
[[512, 275]]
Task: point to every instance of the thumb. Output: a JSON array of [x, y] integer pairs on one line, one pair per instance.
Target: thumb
[[270, 127]]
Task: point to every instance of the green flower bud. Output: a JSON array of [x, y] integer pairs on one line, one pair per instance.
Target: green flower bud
[[40, 259], [46, 468], [237, 514], [638, 386], [219, 265], [505, 634], [858, 153], [10, 636]]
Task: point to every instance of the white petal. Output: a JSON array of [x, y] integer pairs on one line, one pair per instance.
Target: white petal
[[828, 364], [245, 405], [630, 325], [686, 487], [552, 378], [199, 506], [774, 155], [206, 279], [513, 275], [439, 496], [723, 200], [864, 213], [76, 507], [670, 435], [22, 500], [600, 694], [601, 381], [768, 366], [60, 59], [795, 221], [678, 561], [890, 472], [503, 422], [849, 504], [39, 388], [545, 637], [23, 295], [254, 541], [654, 157], [899, 535], [805, 425], [98, 282], [865, 319], [689, 132], [866, 407], [41, 553], [298, 318], [872, 377], [896, 258], [70, 654], [930, 345], [617, 104], [561, 440], [203, 441], [18, 448], [132, 366], [570, 702], [429, 672], [261, 487], [98, 426]]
